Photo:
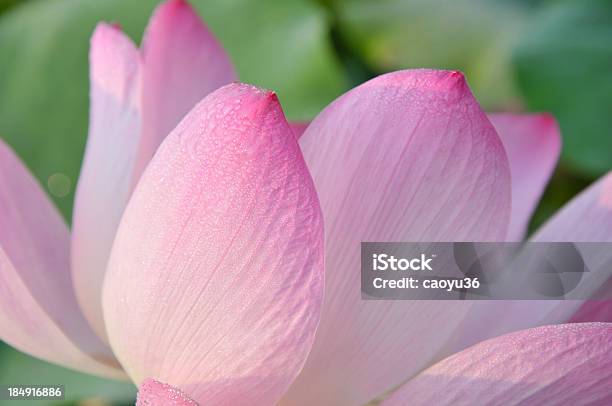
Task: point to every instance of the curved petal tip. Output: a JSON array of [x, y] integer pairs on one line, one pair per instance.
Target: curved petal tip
[[533, 144], [113, 60]]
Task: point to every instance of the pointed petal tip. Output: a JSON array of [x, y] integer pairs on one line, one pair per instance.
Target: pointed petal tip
[[171, 9], [254, 101], [105, 31], [102, 35], [175, 4], [547, 118], [453, 78], [544, 123], [241, 87], [176, 44], [433, 79], [238, 107], [111, 53], [155, 393], [103, 26], [542, 129]]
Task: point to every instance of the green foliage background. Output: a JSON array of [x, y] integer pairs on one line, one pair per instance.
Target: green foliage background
[[518, 55]]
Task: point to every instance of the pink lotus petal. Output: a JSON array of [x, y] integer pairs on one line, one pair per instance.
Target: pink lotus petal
[[597, 308], [132, 93], [106, 180], [39, 313], [533, 144], [183, 62], [555, 365], [408, 156], [216, 277], [587, 218], [154, 393]]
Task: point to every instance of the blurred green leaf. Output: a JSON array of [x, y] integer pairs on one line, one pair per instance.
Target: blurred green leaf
[[6, 4], [474, 36], [281, 45], [19, 369], [564, 65]]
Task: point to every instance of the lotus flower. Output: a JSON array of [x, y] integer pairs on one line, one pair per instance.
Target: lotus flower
[[195, 262]]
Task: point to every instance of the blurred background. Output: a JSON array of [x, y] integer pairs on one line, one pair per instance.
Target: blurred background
[[518, 55]]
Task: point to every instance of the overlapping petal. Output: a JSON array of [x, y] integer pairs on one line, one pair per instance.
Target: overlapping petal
[[136, 100], [105, 181], [408, 156], [587, 218], [216, 277], [567, 364], [533, 144], [182, 63], [39, 313]]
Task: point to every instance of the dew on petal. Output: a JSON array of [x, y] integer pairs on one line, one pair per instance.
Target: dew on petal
[[155, 393]]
